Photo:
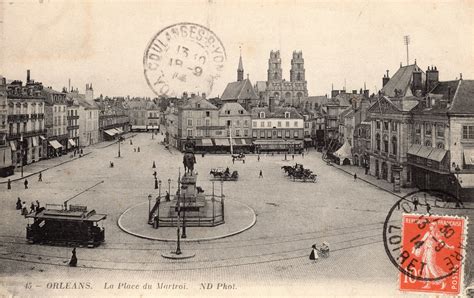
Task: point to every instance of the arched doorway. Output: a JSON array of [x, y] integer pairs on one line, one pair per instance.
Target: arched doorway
[[356, 160], [384, 171], [346, 162], [377, 169], [288, 97]]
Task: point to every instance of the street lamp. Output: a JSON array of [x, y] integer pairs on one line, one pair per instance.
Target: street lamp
[[184, 217], [159, 189], [457, 170], [119, 141], [169, 186], [178, 248], [149, 208]]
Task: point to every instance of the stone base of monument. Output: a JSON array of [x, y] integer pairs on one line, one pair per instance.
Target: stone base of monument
[[182, 256]]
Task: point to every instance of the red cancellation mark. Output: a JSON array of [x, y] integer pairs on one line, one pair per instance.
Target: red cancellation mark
[[184, 57], [428, 250]]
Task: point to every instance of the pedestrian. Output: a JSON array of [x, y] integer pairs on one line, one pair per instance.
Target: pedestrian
[[37, 205], [167, 197], [243, 160], [153, 166], [302, 154], [134, 149], [32, 207], [73, 261], [355, 177], [293, 156], [9, 184], [233, 160], [131, 143], [24, 211], [258, 157], [314, 253], [156, 183], [415, 203], [40, 177], [428, 208], [26, 183], [154, 174], [261, 174], [18, 204], [203, 154], [138, 149]]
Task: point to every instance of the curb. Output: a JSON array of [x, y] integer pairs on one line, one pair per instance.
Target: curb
[[254, 221], [35, 173]]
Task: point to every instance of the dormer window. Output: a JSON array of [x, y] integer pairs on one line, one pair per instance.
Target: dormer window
[[287, 114], [262, 114]]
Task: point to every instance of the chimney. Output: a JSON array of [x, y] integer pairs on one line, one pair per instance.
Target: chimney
[[385, 79], [334, 93], [366, 93], [460, 76], [432, 78], [27, 76], [203, 95]]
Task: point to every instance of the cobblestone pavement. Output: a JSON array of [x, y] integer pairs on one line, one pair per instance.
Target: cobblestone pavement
[[291, 216]]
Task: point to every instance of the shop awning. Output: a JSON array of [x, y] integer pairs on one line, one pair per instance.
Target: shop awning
[[198, 142], [71, 141], [466, 180], [42, 138], [13, 145], [119, 130], [437, 154], [469, 156], [35, 142], [222, 142], [344, 152], [413, 150], [207, 142], [238, 141], [111, 132], [234, 142], [308, 139], [55, 144]]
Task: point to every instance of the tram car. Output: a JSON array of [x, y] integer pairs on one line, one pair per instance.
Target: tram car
[[75, 226]]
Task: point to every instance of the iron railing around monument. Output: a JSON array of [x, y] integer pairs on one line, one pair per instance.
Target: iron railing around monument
[[165, 215]]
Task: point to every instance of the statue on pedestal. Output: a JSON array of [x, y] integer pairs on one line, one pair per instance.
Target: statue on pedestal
[[189, 159]]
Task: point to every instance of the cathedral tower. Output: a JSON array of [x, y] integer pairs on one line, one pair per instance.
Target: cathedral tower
[[297, 67], [274, 67]]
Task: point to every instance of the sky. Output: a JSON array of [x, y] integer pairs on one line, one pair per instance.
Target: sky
[[344, 43]]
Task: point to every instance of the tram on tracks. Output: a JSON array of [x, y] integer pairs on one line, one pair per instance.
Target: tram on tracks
[[59, 225]]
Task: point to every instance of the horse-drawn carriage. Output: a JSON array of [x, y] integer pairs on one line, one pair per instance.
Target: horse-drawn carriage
[[298, 172], [239, 157], [224, 174]]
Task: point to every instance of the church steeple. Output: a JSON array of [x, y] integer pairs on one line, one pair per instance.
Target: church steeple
[[240, 70]]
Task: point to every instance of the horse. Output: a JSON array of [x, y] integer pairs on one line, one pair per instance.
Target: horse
[[188, 161]]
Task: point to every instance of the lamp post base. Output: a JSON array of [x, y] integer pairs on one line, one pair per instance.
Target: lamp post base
[[173, 256]]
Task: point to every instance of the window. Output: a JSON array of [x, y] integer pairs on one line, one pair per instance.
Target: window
[[287, 124], [262, 124], [440, 131], [269, 134], [385, 125], [377, 141], [262, 133], [241, 112], [295, 134], [377, 124], [287, 134], [237, 123], [198, 122], [394, 126], [254, 133], [428, 129], [229, 123], [279, 124], [237, 132], [198, 132], [262, 115], [287, 114], [306, 124], [440, 145], [394, 145], [246, 132], [296, 123], [207, 133], [254, 123], [417, 128], [190, 132], [274, 133], [428, 143], [468, 132], [208, 114], [269, 124], [385, 143], [246, 123], [227, 112], [208, 122]]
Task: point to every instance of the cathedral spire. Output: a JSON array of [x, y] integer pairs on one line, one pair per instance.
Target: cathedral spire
[[240, 69]]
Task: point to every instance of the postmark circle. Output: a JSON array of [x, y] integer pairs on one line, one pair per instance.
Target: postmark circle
[[429, 232], [183, 57]]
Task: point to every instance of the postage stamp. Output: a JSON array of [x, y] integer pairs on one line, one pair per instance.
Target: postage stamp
[[183, 57], [428, 249]]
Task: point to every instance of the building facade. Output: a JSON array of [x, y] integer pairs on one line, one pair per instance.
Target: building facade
[[25, 121], [55, 122], [88, 113], [6, 164], [238, 124], [72, 125]]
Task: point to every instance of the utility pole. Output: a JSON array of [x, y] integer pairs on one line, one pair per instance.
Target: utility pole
[[406, 39]]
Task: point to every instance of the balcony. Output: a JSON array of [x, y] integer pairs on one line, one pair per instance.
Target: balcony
[[73, 117], [72, 127], [27, 134]]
